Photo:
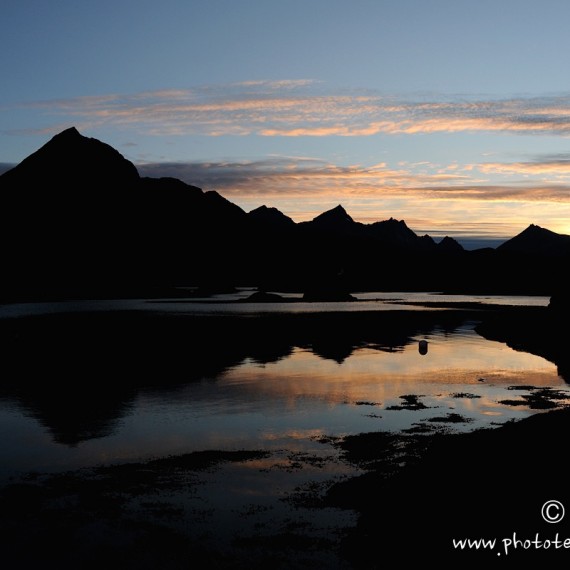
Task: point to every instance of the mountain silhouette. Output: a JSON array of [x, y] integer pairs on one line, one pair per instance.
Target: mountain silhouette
[[271, 218], [396, 234], [72, 161], [336, 219], [449, 244], [537, 240], [81, 218], [80, 221]]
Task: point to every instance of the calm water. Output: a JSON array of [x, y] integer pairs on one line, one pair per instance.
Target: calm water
[[226, 304], [281, 400]]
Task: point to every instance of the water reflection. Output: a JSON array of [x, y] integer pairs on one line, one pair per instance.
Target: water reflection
[[76, 413], [117, 386], [455, 364]]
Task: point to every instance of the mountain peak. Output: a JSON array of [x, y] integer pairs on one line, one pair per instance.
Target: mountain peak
[[337, 215], [340, 210], [70, 132], [537, 240], [534, 229], [74, 161], [270, 217], [399, 225], [397, 234], [449, 244]]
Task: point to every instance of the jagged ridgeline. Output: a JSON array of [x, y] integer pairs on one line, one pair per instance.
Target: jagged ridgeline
[[79, 219]]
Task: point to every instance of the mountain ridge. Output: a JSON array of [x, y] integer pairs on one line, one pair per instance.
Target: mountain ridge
[[80, 153], [71, 138], [538, 240], [80, 213]]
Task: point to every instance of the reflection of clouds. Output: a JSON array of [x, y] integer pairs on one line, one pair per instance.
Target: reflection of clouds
[[488, 401], [291, 403], [312, 433], [376, 376]]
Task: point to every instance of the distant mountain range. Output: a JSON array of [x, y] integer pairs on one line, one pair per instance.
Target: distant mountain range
[[80, 220]]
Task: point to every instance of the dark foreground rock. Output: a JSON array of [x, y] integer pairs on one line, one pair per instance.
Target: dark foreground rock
[[264, 297], [489, 484]]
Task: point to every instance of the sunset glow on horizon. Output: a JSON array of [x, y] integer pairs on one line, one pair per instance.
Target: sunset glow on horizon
[[450, 115]]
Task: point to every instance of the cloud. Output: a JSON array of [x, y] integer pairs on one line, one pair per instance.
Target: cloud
[[50, 130], [309, 177], [296, 108], [531, 193], [295, 176], [560, 166]]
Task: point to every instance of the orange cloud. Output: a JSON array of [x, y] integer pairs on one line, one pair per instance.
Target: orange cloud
[[311, 177], [304, 177], [298, 108], [548, 167]]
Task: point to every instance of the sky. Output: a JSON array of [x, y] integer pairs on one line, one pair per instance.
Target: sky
[[453, 115]]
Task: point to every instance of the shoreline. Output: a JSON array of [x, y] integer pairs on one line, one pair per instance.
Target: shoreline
[[482, 484]]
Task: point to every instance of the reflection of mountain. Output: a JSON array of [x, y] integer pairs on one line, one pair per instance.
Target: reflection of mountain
[[80, 221], [533, 330], [75, 413], [78, 374]]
